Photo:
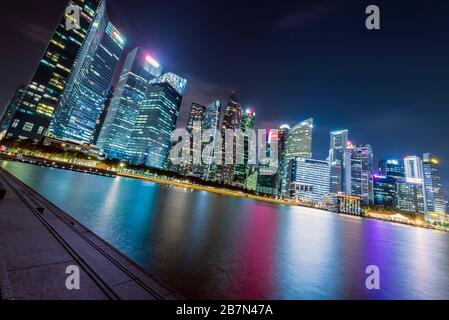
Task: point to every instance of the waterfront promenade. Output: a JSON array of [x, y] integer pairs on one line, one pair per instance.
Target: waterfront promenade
[[38, 241]]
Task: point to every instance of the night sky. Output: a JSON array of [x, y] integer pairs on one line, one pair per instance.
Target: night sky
[[287, 61]]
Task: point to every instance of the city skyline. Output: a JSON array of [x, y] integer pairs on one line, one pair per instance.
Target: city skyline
[[397, 144]]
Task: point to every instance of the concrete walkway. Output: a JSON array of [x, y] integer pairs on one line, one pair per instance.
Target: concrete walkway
[[38, 242]]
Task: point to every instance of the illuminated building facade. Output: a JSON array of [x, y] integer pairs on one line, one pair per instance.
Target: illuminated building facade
[[231, 121], [137, 71], [310, 180], [298, 145], [150, 142], [411, 196], [43, 93], [241, 171], [339, 162], [432, 184], [103, 114], [343, 203], [194, 126], [411, 192], [392, 168], [11, 109], [81, 104], [282, 142], [361, 172], [384, 190], [211, 121]]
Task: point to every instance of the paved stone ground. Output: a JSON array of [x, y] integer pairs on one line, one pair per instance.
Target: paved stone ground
[[38, 241]]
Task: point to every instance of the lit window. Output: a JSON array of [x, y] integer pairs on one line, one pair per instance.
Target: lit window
[[28, 127], [40, 130], [15, 123]]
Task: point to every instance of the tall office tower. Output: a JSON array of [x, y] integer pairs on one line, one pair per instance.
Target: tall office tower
[[298, 145], [150, 142], [78, 111], [361, 172], [339, 162], [411, 196], [11, 109], [194, 125], [432, 183], [196, 114], [411, 190], [384, 190], [231, 121], [310, 180], [413, 168], [282, 143], [266, 174], [103, 114], [139, 68], [211, 121], [241, 171], [392, 168], [32, 118]]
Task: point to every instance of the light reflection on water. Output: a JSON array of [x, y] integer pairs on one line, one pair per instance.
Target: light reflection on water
[[212, 246]]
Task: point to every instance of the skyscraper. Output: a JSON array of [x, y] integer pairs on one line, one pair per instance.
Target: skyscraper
[[211, 121], [392, 168], [120, 120], [196, 114], [282, 142], [103, 114], [410, 196], [384, 190], [298, 145], [310, 180], [10, 110], [150, 142], [241, 171], [80, 106], [413, 169], [194, 126], [361, 172], [432, 183], [339, 161], [266, 174], [231, 121], [411, 191], [49, 81]]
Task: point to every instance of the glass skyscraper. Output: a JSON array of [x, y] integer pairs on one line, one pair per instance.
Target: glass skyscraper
[[43, 93], [241, 171], [361, 172], [432, 183], [410, 196], [10, 110], [137, 71], [150, 142], [298, 145], [411, 191], [81, 104], [384, 189], [392, 168], [339, 162], [209, 117], [282, 141], [194, 126], [211, 121], [310, 180], [231, 121]]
